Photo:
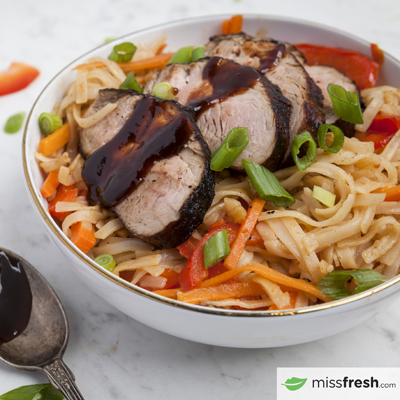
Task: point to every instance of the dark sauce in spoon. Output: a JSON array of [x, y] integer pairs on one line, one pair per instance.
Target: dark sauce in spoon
[[222, 79], [271, 58], [15, 298], [156, 130]]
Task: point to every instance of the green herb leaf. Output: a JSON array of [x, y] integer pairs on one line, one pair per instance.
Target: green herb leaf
[[182, 56], [294, 383], [131, 83], [346, 104], [234, 143], [106, 261], [14, 123], [45, 391], [304, 162], [216, 248], [122, 52], [267, 185], [49, 123], [338, 138], [333, 284]]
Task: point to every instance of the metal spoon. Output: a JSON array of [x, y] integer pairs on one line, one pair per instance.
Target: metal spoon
[[41, 346]]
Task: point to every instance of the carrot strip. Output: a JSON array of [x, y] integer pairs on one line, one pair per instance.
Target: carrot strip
[[50, 184], [270, 274], [161, 48], [55, 141], [170, 293], [244, 233], [236, 23], [82, 237], [226, 26], [221, 292], [158, 61], [392, 193], [64, 193]]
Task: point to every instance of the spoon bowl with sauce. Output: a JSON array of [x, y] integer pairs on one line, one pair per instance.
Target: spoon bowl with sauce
[[34, 328]]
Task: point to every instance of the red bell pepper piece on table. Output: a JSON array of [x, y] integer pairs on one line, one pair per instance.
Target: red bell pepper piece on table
[[355, 65], [16, 78]]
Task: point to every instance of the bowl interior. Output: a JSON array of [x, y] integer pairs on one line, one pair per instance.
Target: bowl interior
[[195, 31]]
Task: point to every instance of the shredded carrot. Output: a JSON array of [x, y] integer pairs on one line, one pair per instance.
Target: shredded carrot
[[64, 193], [232, 25], [244, 234], [161, 48], [50, 184], [270, 274], [221, 292], [82, 237], [170, 293], [392, 193], [158, 61], [55, 141], [236, 24]]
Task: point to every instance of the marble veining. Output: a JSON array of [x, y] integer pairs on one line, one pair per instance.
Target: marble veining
[[111, 355]]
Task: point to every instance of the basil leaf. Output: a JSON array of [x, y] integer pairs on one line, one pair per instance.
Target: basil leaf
[[333, 284], [45, 391]]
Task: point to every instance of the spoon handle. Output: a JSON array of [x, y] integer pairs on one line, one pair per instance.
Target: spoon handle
[[61, 377]]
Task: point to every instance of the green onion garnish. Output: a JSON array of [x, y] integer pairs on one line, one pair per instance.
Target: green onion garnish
[[324, 196], [234, 143], [49, 123], [304, 162], [197, 53], [216, 248], [14, 123], [110, 39], [106, 261], [338, 138], [122, 52], [41, 391], [182, 56], [164, 90], [346, 104], [267, 185], [131, 83], [333, 284]]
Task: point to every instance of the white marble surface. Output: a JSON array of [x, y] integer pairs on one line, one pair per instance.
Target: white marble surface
[[112, 356]]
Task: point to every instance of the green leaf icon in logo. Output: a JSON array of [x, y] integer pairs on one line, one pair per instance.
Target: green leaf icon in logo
[[294, 383]]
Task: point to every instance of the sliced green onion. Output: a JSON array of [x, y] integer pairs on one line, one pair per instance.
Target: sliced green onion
[[338, 138], [110, 39], [31, 392], [122, 52], [182, 56], [216, 248], [324, 196], [234, 143], [346, 104], [131, 83], [334, 283], [49, 123], [14, 123], [304, 162], [267, 185], [197, 53], [164, 90], [106, 261]]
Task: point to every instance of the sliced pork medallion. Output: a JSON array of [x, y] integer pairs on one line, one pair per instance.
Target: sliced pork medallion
[[323, 75], [226, 95], [148, 161], [277, 63]]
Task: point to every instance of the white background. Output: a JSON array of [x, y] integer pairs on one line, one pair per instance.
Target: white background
[[112, 356]]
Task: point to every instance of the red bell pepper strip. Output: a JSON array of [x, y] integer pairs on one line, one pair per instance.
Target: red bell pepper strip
[[377, 54], [186, 248], [385, 124], [194, 272], [16, 78], [64, 193], [356, 66], [380, 139]]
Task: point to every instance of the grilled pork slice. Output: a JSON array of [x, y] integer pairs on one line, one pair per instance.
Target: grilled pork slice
[[226, 95], [324, 75], [148, 162], [277, 63]]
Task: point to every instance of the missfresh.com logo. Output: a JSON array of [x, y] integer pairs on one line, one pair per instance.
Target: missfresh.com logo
[[331, 383]]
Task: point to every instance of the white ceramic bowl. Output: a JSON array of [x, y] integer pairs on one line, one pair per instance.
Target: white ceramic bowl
[[205, 325]]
